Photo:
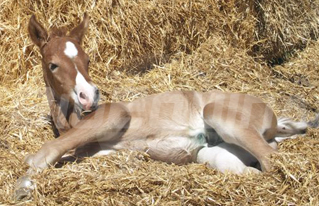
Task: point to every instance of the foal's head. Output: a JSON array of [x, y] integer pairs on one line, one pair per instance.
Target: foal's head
[[65, 64]]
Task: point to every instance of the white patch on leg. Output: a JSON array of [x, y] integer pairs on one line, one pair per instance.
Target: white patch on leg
[[70, 50], [226, 158], [103, 153], [24, 187]]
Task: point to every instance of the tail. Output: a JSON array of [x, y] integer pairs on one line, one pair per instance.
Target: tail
[[287, 127]]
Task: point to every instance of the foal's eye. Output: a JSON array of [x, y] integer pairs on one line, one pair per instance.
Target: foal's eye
[[53, 67], [89, 62]]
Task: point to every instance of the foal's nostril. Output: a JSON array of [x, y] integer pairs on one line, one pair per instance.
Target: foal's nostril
[[97, 92], [82, 95]]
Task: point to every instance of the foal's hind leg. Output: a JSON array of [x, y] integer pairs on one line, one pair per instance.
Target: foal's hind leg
[[232, 131]]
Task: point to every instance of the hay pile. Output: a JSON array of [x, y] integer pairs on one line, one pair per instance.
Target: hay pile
[[139, 48]]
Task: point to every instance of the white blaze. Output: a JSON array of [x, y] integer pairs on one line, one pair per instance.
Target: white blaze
[[84, 92], [70, 50], [84, 87], [82, 84]]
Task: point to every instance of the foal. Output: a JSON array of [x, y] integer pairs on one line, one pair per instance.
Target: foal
[[228, 131]]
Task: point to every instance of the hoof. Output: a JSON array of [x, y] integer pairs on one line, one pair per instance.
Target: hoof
[[23, 188]]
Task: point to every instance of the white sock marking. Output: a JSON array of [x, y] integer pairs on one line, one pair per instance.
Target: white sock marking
[[70, 50]]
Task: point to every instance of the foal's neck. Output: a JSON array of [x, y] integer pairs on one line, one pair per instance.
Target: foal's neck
[[64, 115]]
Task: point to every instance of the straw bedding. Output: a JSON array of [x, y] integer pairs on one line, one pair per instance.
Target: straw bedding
[[139, 48]]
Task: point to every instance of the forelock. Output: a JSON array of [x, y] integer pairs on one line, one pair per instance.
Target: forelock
[[57, 32]]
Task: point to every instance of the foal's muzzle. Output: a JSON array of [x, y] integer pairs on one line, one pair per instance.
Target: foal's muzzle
[[89, 99]]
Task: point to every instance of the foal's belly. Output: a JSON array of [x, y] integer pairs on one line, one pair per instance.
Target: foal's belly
[[177, 150], [172, 136], [178, 146], [174, 149]]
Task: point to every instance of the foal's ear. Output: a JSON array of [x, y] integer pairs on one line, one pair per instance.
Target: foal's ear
[[78, 32], [37, 33]]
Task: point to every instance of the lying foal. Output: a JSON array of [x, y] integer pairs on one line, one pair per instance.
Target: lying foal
[[228, 131]]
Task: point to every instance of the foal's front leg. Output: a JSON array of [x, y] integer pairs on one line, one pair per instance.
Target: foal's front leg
[[107, 123]]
